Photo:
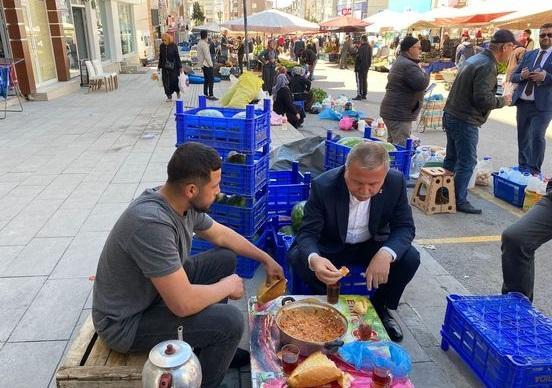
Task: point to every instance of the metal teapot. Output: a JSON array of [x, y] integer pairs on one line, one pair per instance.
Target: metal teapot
[[171, 364]]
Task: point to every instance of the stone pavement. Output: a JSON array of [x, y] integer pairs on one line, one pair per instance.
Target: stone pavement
[[68, 168]]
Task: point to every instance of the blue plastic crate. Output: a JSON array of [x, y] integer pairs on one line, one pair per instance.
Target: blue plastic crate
[[336, 154], [245, 267], [234, 134], [505, 341], [282, 242], [245, 220], [508, 191], [286, 188], [248, 178]]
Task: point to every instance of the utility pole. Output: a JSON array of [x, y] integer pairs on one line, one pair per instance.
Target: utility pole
[[245, 42]]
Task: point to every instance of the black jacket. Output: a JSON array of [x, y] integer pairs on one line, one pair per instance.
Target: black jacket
[[363, 59], [169, 52], [404, 92], [473, 93], [299, 84], [283, 102], [324, 226], [309, 56]]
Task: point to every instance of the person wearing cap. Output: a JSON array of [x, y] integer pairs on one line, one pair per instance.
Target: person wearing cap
[[470, 101], [533, 99], [404, 92]]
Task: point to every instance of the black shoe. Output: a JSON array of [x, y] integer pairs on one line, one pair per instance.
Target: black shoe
[[468, 208], [357, 98], [364, 97], [391, 325], [241, 359], [213, 98]]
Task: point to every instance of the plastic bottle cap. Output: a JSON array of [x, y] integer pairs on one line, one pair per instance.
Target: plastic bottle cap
[[487, 158]]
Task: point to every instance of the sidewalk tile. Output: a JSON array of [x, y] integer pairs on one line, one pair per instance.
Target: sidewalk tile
[[86, 195], [64, 223], [8, 254], [103, 217], [16, 294], [14, 177], [38, 180], [155, 172], [39, 257], [429, 375], [29, 364], [118, 193], [6, 187], [62, 186], [60, 298], [81, 258]]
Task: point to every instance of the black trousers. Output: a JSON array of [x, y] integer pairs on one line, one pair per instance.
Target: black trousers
[[209, 81], [387, 295], [362, 82], [519, 243]]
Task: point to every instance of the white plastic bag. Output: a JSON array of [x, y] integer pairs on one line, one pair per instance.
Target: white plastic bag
[[183, 83]]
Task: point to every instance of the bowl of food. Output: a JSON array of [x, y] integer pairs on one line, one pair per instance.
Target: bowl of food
[[310, 324]]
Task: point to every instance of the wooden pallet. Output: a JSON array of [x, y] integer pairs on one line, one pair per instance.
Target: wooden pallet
[[91, 364]]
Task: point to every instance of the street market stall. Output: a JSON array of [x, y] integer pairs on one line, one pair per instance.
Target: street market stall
[[531, 17], [272, 21]]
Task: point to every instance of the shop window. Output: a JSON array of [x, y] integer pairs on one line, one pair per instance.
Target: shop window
[[102, 30], [126, 24]]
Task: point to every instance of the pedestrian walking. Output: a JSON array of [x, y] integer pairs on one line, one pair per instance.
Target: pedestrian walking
[[464, 50], [170, 66], [309, 58], [533, 99], [241, 53], [519, 243], [470, 101], [298, 47], [204, 60], [269, 57], [404, 93], [345, 51], [363, 61]]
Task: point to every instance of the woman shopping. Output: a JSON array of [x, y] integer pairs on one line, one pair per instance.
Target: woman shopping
[[170, 66], [283, 102]]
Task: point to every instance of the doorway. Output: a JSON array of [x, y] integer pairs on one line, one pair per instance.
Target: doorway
[[79, 20]]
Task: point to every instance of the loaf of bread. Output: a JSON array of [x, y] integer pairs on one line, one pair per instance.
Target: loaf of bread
[[317, 369]]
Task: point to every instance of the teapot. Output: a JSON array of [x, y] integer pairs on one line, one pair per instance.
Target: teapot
[[171, 364]]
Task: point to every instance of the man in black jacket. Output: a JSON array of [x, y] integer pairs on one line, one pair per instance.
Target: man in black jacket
[[359, 215], [363, 61], [470, 101]]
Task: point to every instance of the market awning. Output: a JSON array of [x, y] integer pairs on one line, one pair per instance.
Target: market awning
[[343, 24], [210, 27], [272, 21], [531, 17], [480, 13], [391, 20]]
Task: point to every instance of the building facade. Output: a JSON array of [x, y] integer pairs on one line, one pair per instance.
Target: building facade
[[52, 37]]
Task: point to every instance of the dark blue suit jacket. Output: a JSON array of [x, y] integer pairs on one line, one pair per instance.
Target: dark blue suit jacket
[[543, 91], [325, 222]]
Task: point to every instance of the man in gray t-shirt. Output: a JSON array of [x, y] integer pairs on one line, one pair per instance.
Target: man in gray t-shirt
[[147, 284]]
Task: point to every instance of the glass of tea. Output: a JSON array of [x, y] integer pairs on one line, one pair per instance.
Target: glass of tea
[[333, 293], [290, 358]]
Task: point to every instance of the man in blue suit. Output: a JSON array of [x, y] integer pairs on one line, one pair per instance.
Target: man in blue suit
[[359, 214], [533, 98]]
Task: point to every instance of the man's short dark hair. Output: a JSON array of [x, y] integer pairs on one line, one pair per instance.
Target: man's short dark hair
[[546, 25], [203, 34], [364, 38], [528, 32], [193, 163]]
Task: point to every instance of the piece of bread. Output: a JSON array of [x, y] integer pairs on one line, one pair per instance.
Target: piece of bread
[[344, 271], [317, 369], [266, 293]]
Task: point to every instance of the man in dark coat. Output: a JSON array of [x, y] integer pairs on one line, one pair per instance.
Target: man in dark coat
[[404, 92], [363, 62], [359, 214]]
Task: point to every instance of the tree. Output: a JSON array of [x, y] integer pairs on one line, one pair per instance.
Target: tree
[[197, 14]]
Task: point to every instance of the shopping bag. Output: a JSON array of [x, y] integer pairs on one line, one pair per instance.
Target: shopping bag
[[183, 83]]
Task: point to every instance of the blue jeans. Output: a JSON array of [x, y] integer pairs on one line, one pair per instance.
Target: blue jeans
[[461, 156], [531, 127]]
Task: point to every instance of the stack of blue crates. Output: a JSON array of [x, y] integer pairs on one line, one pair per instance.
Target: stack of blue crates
[[249, 136], [505, 341]]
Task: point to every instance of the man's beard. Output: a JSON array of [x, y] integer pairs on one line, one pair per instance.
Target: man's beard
[[198, 207]]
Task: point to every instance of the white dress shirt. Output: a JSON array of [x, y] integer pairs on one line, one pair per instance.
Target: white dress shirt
[[357, 226], [544, 58]]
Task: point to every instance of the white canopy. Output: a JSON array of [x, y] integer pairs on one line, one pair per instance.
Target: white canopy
[[530, 17], [210, 27], [272, 21], [391, 20]]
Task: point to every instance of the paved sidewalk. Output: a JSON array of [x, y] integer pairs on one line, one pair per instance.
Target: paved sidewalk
[[68, 168]]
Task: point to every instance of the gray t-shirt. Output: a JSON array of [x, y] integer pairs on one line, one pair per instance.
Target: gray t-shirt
[[149, 240]]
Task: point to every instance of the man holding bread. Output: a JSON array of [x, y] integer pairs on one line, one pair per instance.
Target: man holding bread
[[359, 214]]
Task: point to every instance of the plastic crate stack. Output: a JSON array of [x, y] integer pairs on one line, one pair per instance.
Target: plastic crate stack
[[505, 341], [246, 178], [336, 154]]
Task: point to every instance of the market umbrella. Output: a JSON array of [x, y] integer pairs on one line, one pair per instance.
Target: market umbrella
[[480, 13], [533, 17], [391, 20], [343, 24], [210, 27], [430, 18], [272, 21]]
